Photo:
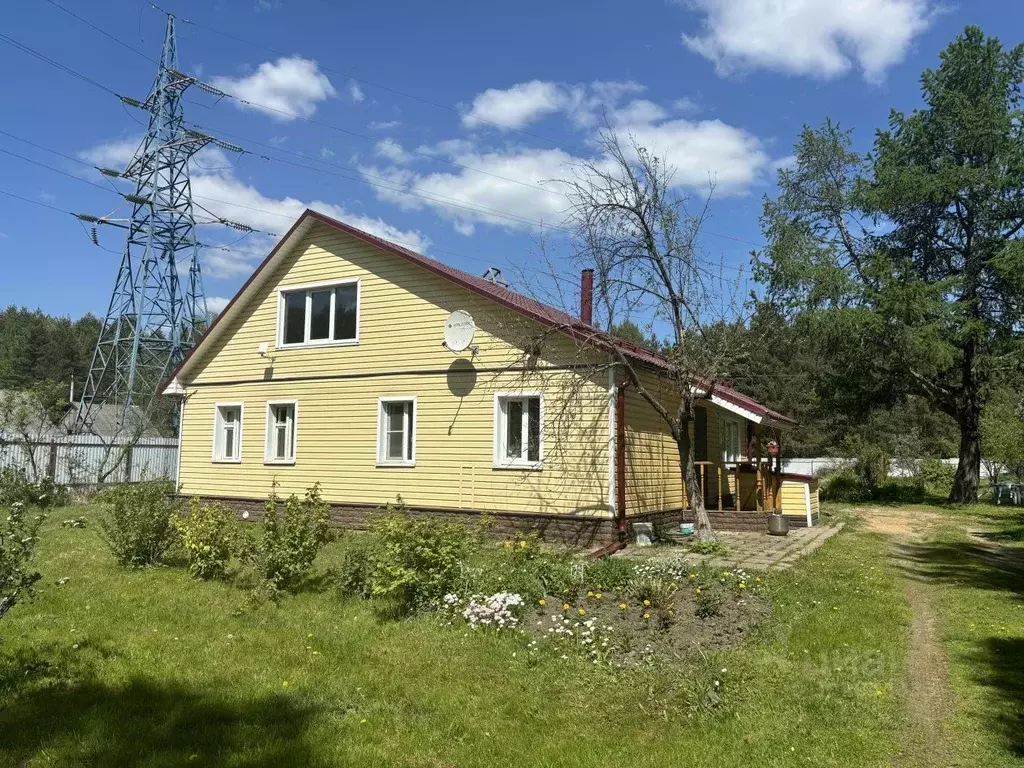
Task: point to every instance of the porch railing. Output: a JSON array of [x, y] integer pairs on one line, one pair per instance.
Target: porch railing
[[742, 486]]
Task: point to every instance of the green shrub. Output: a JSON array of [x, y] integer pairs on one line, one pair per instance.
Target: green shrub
[[16, 487], [355, 566], [209, 537], [417, 560], [845, 487], [709, 547], [18, 537], [610, 573], [650, 587], [138, 525], [937, 477], [709, 603], [522, 567], [292, 534], [902, 490]]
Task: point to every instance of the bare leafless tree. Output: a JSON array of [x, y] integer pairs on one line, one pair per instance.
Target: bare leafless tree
[[642, 239]]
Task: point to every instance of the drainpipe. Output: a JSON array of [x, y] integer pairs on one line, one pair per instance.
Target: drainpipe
[[621, 527]]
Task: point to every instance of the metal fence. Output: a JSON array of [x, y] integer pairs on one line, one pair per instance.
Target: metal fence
[[84, 460]]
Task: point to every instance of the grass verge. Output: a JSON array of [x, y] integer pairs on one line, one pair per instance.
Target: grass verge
[[151, 667]]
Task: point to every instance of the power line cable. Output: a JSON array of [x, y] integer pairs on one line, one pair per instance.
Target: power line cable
[[35, 202], [386, 184], [333, 127], [103, 32], [43, 57], [364, 81]]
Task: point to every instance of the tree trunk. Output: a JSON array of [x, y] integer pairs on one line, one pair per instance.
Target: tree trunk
[[968, 470], [694, 497]]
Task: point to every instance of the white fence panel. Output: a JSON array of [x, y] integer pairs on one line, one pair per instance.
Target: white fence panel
[[77, 460]]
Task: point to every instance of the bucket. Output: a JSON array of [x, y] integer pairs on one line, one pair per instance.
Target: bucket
[[686, 529], [778, 525]]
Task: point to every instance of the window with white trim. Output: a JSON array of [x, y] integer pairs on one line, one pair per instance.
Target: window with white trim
[[281, 432], [729, 440], [396, 432], [322, 314], [518, 432], [227, 432]]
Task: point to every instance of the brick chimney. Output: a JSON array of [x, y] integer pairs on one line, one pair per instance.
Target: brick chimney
[[587, 296]]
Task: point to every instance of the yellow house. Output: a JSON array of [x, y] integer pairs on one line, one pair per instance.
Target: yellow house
[[330, 366]]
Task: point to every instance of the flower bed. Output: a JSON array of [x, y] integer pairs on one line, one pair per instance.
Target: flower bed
[[651, 612]]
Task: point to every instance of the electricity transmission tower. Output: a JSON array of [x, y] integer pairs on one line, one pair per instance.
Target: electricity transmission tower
[[157, 307]]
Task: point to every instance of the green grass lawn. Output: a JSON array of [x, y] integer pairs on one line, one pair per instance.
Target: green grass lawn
[[980, 586], [152, 667]]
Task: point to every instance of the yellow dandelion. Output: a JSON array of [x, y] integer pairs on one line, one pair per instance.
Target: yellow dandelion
[[582, 612], [693, 575], [284, 683], [743, 585], [622, 606], [698, 590], [590, 594], [647, 603], [508, 545], [566, 606], [522, 545], [597, 595], [541, 602], [647, 615]]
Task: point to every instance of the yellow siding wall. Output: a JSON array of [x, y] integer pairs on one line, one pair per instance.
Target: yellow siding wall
[[794, 501], [402, 312], [653, 477]]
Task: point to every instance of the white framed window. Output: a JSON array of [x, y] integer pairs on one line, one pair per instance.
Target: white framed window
[[729, 440], [396, 432], [320, 314], [518, 430], [282, 420], [227, 432]]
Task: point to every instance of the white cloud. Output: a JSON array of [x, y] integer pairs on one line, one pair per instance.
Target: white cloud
[[216, 304], [703, 151], [518, 188], [230, 198], [638, 111], [513, 196], [384, 125], [114, 154], [217, 190], [391, 150], [284, 89], [808, 37], [355, 91], [517, 106], [326, 154], [525, 103]]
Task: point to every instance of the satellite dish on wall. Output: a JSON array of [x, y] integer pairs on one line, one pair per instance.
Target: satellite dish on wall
[[458, 331]]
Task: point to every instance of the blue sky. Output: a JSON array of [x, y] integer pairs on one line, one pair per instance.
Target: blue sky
[[439, 125]]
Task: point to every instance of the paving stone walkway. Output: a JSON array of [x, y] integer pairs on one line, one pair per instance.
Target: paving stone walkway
[[747, 550]]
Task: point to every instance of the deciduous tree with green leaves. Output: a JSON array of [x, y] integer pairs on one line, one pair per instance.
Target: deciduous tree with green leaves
[[909, 260], [1002, 432]]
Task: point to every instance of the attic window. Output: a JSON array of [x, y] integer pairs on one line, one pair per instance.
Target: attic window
[[321, 314]]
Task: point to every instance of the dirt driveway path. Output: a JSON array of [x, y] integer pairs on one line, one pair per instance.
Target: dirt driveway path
[[929, 696]]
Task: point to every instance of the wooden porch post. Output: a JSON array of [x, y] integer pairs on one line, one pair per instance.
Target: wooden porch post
[[719, 487], [758, 479]]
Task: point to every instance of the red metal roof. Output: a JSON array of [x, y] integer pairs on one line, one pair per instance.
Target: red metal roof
[[542, 313]]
